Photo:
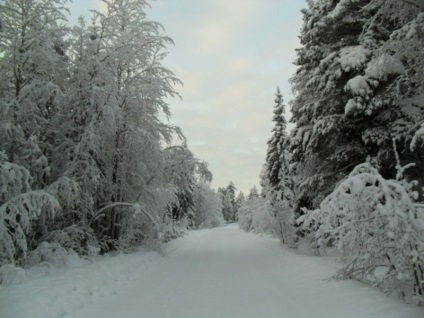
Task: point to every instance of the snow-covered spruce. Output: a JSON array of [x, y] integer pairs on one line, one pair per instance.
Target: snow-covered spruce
[[359, 84]]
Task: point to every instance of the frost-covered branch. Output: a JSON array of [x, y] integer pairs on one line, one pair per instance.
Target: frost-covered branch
[[135, 206]]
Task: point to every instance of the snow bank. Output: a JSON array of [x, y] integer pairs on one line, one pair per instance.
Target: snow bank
[[50, 292]]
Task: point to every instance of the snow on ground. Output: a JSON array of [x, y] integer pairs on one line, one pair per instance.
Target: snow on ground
[[222, 272]]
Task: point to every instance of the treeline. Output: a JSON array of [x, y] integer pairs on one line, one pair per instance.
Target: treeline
[[351, 172], [233, 207], [86, 161]]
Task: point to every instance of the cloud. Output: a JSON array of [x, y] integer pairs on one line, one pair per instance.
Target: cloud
[[230, 55], [224, 22]]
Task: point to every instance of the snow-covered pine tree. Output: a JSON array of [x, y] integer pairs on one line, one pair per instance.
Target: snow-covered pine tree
[[276, 144], [364, 62], [323, 146], [275, 177], [391, 105], [353, 93], [253, 193], [239, 200]]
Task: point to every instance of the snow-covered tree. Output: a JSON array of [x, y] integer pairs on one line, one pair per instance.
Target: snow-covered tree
[[353, 92], [228, 196], [359, 87], [240, 199], [135, 84], [184, 171], [275, 157], [276, 179], [256, 215], [253, 193], [322, 144], [32, 65], [84, 156]]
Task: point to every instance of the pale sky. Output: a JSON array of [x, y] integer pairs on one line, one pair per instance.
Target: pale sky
[[230, 55]]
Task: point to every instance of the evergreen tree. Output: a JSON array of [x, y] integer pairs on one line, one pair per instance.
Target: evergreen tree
[[347, 107], [275, 157], [359, 99], [239, 200], [276, 179], [322, 143], [253, 193]]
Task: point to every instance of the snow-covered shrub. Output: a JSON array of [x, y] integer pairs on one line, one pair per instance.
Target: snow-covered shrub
[[66, 191], [77, 237], [378, 228], [14, 180], [20, 210], [139, 230], [171, 229], [51, 254], [208, 207], [256, 215], [283, 225], [245, 217], [11, 274]]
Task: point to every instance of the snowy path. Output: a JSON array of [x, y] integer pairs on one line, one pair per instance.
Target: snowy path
[[222, 272]]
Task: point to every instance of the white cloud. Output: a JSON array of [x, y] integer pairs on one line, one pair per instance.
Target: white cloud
[[231, 55], [224, 22]]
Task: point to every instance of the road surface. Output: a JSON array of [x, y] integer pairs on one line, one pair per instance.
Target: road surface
[[225, 272]]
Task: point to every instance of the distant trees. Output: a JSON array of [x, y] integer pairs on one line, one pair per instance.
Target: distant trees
[[239, 200], [229, 206], [208, 207], [255, 214], [85, 159]]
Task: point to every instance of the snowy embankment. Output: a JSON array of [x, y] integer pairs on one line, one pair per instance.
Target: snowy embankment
[[222, 272]]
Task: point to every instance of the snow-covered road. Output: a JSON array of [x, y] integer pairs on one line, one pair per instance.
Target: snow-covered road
[[222, 272]]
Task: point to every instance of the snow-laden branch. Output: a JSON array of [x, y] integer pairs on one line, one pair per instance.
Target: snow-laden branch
[[136, 206], [415, 3]]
